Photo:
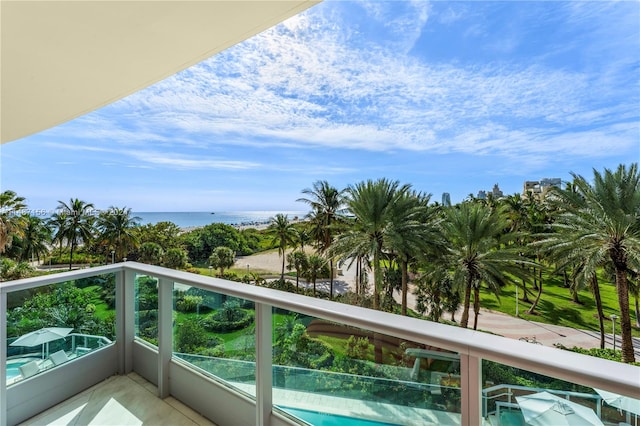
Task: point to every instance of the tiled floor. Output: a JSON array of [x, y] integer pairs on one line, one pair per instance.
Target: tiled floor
[[120, 401]]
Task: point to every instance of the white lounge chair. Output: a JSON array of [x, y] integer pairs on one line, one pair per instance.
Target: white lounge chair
[[59, 357], [29, 369]]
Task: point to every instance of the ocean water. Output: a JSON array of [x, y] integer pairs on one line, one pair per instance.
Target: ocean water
[[193, 219]]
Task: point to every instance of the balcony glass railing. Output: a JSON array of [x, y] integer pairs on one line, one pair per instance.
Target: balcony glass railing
[[218, 328], [52, 324], [304, 356]]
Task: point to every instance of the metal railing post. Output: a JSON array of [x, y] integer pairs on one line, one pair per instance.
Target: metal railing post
[[470, 389], [3, 359], [264, 364], [165, 334], [125, 318]]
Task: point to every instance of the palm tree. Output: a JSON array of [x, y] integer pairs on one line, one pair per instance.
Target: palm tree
[[151, 253], [297, 260], [516, 208], [303, 237], [118, 230], [475, 255], [537, 221], [414, 231], [326, 204], [34, 239], [283, 235], [11, 218], [78, 227], [11, 270], [373, 204], [601, 225], [57, 223], [313, 270], [222, 258]]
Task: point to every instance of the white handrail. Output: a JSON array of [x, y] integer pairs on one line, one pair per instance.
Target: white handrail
[[573, 367]]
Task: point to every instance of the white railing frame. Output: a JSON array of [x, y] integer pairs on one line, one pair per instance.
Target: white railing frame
[[473, 346]]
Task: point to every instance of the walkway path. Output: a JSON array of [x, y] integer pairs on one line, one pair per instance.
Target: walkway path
[[495, 322]]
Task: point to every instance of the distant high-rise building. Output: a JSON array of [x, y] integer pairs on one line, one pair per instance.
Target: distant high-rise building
[[446, 199], [497, 193], [549, 182], [482, 195], [538, 189]]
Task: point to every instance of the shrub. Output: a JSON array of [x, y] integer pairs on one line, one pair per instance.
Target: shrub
[[358, 347], [189, 303], [219, 324], [190, 336]]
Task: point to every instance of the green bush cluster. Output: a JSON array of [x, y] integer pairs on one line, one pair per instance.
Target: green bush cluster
[[82, 258], [219, 323], [190, 337], [610, 354], [201, 242], [188, 303]]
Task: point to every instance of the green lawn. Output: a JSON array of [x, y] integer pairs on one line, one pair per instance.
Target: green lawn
[[102, 310], [556, 306]]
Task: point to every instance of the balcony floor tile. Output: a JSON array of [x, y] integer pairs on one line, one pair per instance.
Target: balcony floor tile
[[120, 401]]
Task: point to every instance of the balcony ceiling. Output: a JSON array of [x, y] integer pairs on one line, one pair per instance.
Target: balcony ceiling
[[63, 59]]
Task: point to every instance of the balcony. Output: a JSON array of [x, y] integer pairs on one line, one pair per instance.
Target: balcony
[[270, 366]]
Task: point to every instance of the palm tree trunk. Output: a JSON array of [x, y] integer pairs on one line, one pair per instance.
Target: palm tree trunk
[[464, 321], [405, 285], [574, 295], [625, 318], [476, 307], [314, 287], [535, 302], [595, 288], [574, 289], [358, 275], [525, 296], [637, 311], [525, 292], [71, 255], [282, 274], [297, 278], [331, 279], [377, 279]]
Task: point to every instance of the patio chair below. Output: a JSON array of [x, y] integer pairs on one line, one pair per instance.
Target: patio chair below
[[29, 369], [59, 357]]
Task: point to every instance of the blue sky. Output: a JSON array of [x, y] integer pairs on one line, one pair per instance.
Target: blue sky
[[447, 96]]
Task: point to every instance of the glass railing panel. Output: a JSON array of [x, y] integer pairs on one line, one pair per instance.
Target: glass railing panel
[[330, 369], [216, 333], [511, 395], [146, 308], [54, 324]]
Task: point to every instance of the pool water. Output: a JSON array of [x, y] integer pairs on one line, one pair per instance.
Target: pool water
[[323, 419], [13, 368]]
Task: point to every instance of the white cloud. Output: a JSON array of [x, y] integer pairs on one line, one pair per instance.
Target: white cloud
[[314, 82], [190, 162]]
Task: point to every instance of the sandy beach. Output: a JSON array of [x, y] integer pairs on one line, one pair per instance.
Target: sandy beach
[[272, 262], [260, 226]]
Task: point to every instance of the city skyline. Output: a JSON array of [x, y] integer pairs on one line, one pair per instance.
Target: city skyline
[[449, 97]]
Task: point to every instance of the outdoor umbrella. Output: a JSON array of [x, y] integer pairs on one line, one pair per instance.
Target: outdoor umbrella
[[625, 403], [544, 408], [42, 337]]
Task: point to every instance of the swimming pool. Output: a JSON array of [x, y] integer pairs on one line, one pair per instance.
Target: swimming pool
[[13, 368], [324, 419]]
